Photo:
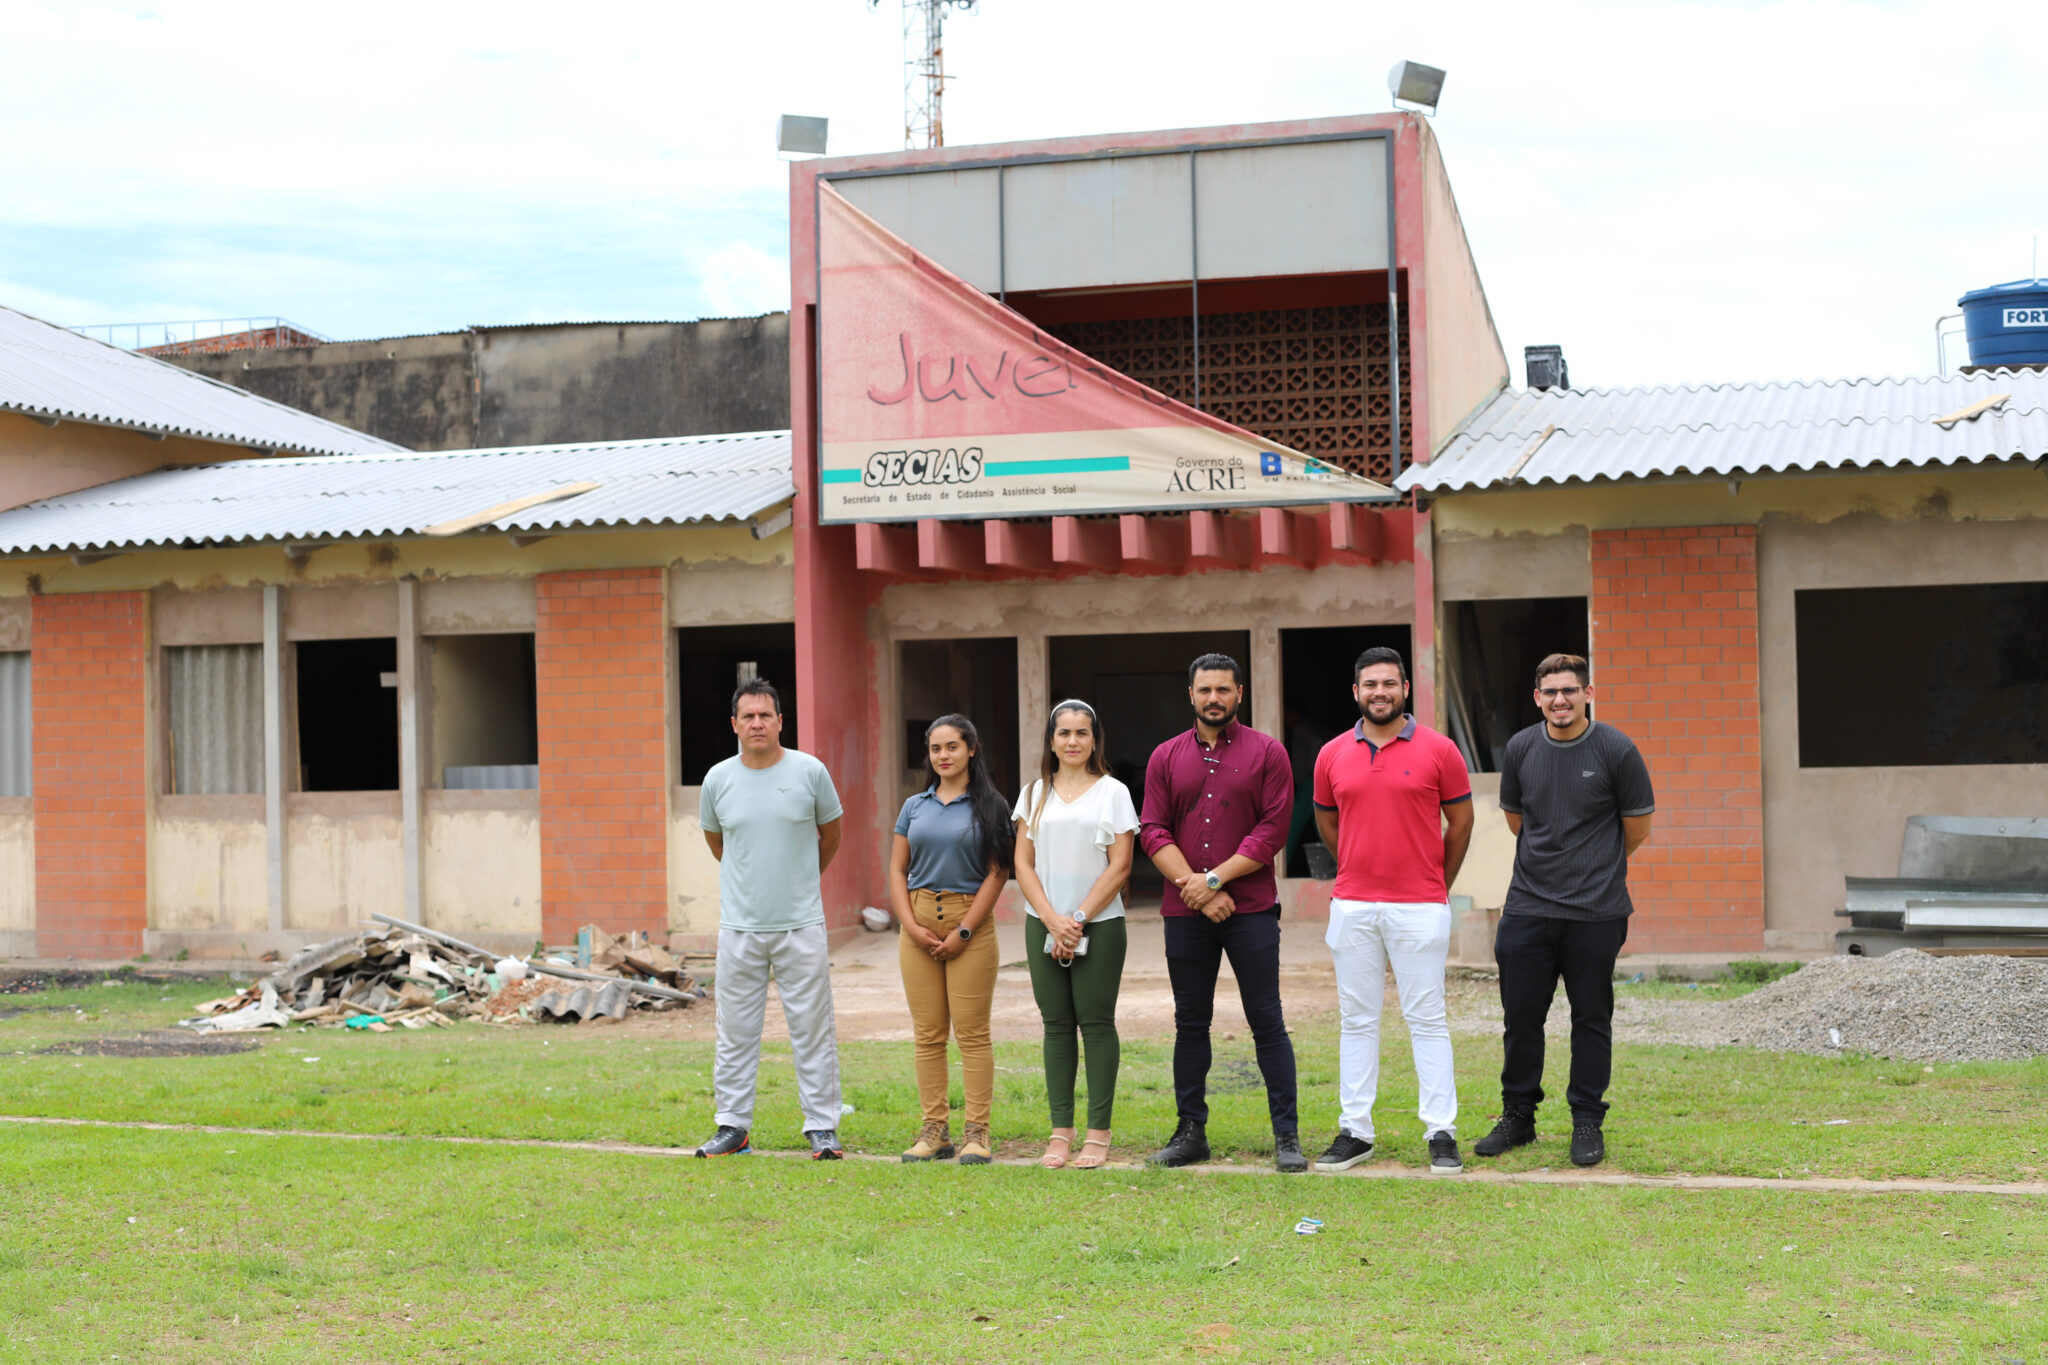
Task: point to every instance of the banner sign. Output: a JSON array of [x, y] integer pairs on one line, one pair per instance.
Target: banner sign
[[938, 401]]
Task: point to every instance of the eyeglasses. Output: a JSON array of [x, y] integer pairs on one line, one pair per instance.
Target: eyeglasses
[[1553, 693]]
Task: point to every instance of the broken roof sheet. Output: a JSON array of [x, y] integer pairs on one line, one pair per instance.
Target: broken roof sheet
[[52, 373], [1524, 437], [661, 482]]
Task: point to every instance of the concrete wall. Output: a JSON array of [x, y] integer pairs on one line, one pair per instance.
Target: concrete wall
[[482, 864], [1822, 824], [17, 877], [532, 385], [343, 859], [37, 461], [206, 868], [1466, 363]]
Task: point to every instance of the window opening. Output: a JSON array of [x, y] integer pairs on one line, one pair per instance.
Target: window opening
[[348, 715], [710, 662], [1491, 650], [484, 715], [1316, 705], [213, 704], [1975, 659], [977, 679]]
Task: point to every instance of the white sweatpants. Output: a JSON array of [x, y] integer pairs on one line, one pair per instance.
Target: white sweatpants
[[1364, 937], [800, 966]]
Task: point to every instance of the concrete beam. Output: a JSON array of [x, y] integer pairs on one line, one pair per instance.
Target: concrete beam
[[952, 547], [1161, 541], [273, 755], [1021, 547], [1219, 540], [1358, 534], [887, 550], [1287, 537], [1091, 544], [411, 841]]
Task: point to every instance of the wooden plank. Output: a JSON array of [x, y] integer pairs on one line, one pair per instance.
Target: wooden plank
[[1515, 471], [506, 509], [1976, 409]]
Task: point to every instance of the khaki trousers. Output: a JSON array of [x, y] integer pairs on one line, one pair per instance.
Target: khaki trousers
[[951, 997]]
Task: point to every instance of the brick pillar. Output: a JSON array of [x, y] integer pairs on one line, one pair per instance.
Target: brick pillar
[[1675, 667], [89, 656], [601, 664]]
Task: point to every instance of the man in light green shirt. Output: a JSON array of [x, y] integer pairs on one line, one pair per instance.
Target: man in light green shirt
[[771, 818]]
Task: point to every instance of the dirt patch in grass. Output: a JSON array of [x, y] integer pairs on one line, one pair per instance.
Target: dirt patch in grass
[[31, 982], [156, 1043]]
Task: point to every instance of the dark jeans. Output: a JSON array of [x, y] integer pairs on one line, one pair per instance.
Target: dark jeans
[[1533, 952], [1195, 949]]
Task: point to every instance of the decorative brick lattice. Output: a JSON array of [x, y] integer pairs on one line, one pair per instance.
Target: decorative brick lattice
[[1313, 379]]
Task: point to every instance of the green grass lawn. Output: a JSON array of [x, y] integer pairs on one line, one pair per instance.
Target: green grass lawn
[[304, 1248]]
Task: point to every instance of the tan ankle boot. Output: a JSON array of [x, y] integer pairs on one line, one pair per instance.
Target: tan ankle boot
[[934, 1143], [974, 1145]]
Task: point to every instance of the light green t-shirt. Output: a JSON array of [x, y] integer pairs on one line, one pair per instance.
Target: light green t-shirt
[[768, 876]]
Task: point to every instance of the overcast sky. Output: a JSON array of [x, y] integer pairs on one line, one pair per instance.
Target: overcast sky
[[1676, 193]]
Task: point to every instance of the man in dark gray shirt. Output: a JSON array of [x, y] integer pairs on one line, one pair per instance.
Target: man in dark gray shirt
[[1578, 800]]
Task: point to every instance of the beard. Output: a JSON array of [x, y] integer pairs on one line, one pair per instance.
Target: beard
[[1202, 715], [1381, 710]]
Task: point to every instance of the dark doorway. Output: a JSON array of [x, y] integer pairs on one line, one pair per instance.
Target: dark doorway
[[1315, 682], [348, 715], [710, 662], [974, 678], [1138, 684], [1490, 654]]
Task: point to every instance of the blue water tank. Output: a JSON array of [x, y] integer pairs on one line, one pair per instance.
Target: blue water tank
[[2007, 324]]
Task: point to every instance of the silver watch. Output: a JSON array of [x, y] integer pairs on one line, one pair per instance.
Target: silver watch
[[965, 933], [1215, 882]]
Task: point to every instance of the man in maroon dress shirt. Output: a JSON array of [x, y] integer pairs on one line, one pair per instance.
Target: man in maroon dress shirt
[[1217, 801]]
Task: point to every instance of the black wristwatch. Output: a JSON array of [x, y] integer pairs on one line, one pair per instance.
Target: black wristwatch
[[965, 933]]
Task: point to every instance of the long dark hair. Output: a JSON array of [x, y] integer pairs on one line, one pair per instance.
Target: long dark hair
[[994, 835], [1049, 761]]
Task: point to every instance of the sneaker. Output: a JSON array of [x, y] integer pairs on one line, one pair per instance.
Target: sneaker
[[1516, 1128], [1443, 1154], [825, 1144], [933, 1143], [974, 1149], [1588, 1147], [727, 1141], [1287, 1157], [1188, 1145], [1344, 1152]]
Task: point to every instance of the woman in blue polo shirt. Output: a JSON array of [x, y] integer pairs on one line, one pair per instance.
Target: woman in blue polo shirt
[[953, 851]]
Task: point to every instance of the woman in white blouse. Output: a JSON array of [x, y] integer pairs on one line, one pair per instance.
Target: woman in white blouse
[[1075, 832]]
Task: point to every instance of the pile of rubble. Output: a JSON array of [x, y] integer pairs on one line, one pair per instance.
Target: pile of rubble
[[402, 975]]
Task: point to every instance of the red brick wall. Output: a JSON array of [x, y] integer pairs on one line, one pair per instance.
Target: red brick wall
[[89, 656], [601, 658], [1675, 667]]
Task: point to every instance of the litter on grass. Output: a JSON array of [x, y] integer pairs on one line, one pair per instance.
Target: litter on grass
[[401, 975]]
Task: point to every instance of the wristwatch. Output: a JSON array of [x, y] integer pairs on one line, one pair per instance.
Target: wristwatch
[[1215, 882], [965, 933]]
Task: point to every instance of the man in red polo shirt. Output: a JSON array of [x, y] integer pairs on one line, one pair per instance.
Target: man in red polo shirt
[[1393, 798]]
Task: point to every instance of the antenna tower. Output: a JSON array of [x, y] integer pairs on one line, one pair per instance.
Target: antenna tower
[[924, 68]]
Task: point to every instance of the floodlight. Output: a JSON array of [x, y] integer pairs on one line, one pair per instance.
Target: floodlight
[[1414, 83], [800, 134]]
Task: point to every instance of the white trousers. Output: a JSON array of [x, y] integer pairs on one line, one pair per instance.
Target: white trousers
[[1364, 938], [797, 961]]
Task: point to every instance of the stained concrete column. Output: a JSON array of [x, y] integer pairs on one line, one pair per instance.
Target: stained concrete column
[[1033, 697], [409, 742], [273, 754], [1268, 714]]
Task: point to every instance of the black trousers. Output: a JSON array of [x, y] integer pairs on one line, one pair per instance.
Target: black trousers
[[1195, 949], [1534, 952]]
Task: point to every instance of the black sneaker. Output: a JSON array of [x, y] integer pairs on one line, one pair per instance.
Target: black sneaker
[[1517, 1128], [1189, 1144], [1344, 1152], [727, 1141], [1588, 1147], [825, 1144], [1287, 1157], [1443, 1154]]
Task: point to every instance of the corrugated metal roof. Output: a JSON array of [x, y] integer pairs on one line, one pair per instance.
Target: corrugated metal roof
[[1728, 430], [49, 371], [661, 482]]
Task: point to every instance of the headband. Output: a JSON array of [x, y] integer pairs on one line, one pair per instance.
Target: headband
[[1073, 704]]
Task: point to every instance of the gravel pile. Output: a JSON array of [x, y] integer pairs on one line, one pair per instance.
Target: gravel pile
[[1905, 1005]]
